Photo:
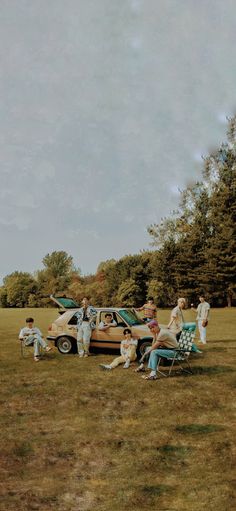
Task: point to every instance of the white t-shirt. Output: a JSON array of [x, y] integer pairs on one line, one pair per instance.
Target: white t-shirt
[[103, 324], [203, 311], [26, 331], [167, 339], [125, 346]]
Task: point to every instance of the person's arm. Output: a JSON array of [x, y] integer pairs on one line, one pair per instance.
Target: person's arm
[[123, 348], [139, 308], [21, 334], [113, 323], [156, 345], [172, 319], [102, 326]]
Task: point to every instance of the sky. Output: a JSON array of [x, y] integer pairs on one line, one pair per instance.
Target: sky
[[106, 109]]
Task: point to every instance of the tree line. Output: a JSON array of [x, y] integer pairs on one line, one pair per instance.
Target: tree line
[[194, 251]]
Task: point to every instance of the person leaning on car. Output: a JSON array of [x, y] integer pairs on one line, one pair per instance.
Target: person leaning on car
[[86, 318], [109, 322]]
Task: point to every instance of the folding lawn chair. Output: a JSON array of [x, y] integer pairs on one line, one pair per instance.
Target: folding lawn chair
[[24, 348], [181, 354], [27, 349]]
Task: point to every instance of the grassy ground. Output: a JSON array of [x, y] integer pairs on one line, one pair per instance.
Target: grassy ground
[[74, 438]]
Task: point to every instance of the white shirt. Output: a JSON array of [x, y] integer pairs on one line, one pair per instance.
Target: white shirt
[[103, 324], [203, 310], [125, 351], [26, 331]]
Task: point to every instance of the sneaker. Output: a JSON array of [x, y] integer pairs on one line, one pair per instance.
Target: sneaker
[[126, 365], [80, 355], [48, 349], [86, 355], [36, 359], [140, 369], [105, 366]]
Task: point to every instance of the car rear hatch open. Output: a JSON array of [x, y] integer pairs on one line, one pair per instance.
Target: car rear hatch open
[[64, 302]]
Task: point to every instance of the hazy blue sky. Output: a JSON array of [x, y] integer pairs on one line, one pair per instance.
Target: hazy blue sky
[[106, 107]]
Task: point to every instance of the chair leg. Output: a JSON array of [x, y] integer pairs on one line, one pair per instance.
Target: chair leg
[[184, 369], [158, 370], [171, 367]]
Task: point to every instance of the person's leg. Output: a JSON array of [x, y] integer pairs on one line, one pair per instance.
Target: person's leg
[[80, 347], [36, 348], [132, 353], [155, 355], [153, 360], [117, 361], [202, 331], [86, 337], [41, 342]]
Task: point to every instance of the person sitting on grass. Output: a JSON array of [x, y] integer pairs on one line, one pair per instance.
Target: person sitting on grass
[[109, 322], [164, 344], [127, 352], [31, 335]]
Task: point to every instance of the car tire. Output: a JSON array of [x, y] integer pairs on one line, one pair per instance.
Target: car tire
[[142, 346], [65, 345]]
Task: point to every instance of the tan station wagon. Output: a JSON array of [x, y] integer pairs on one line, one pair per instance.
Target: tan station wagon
[[63, 331]]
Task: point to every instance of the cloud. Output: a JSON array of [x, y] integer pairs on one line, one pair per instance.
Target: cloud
[[106, 111]]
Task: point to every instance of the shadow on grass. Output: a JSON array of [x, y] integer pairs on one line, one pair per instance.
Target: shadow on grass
[[173, 451], [217, 348], [199, 429], [23, 449], [213, 370], [223, 340], [156, 490]]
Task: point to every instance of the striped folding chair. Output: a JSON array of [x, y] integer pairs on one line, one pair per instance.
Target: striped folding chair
[[181, 354]]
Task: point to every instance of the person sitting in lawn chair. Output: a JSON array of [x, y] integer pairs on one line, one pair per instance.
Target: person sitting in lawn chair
[[31, 336], [164, 344]]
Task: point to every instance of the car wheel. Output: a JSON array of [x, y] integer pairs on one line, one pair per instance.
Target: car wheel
[[65, 345], [143, 346]]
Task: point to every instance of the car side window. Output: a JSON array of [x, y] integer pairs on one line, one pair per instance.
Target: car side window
[[103, 314], [120, 322], [73, 320]]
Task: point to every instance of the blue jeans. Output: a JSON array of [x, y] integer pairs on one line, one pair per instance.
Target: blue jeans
[[37, 341], [155, 356]]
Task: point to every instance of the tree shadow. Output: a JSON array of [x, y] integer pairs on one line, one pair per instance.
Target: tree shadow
[[213, 370]]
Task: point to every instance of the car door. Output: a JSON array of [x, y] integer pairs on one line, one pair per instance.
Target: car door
[[111, 338]]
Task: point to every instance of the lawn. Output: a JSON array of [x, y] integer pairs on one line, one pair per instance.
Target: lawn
[[74, 438]]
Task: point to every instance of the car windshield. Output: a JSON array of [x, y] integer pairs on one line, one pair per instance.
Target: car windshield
[[130, 317]]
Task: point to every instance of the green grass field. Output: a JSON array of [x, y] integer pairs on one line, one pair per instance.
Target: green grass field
[[74, 438]]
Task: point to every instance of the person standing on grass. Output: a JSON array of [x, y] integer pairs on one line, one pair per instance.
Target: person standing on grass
[[31, 335], [149, 309], [86, 318], [176, 322], [164, 344], [203, 310], [127, 352]]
